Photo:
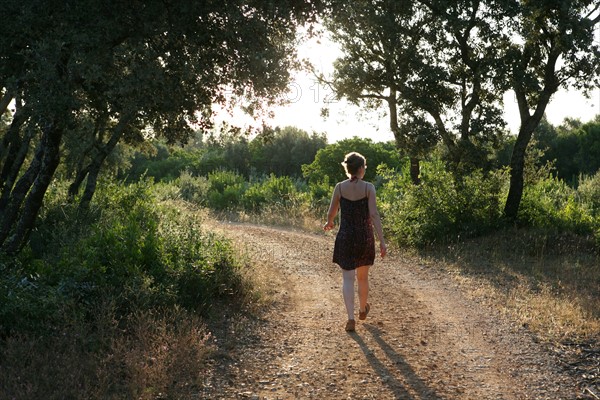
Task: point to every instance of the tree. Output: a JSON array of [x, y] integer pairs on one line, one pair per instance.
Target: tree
[[588, 156], [131, 67], [574, 148], [431, 63], [327, 164], [548, 45], [283, 151], [452, 60]]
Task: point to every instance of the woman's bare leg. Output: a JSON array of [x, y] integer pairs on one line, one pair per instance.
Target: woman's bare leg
[[348, 290], [362, 274]]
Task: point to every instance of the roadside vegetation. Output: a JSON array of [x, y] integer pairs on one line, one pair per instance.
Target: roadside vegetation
[[126, 289], [120, 294], [111, 284], [541, 269]]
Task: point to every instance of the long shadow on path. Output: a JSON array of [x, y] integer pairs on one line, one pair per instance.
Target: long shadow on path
[[402, 380]]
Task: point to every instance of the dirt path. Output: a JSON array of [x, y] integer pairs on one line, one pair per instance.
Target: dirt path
[[423, 339]]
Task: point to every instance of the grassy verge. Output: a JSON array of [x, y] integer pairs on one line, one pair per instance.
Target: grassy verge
[[148, 355], [128, 303], [297, 216], [548, 283]]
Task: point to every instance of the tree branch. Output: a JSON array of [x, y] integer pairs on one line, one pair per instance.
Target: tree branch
[[374, 96], [589, 15], [5, 101]]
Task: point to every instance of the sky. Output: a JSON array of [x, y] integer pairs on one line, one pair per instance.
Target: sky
[[306, 98]]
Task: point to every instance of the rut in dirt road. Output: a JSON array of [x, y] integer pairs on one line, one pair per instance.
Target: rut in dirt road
[[423, 338]]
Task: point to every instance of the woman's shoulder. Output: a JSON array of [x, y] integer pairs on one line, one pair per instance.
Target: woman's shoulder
[[343, 183]]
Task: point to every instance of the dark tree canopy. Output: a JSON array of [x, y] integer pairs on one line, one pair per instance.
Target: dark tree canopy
[[135, 69]]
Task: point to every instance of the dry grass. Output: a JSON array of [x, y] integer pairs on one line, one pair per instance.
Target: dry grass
[[149, 356], [548, 284], [262, 280], [290, 215]]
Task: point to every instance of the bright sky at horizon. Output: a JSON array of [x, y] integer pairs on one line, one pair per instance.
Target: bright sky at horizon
[[307, 98]]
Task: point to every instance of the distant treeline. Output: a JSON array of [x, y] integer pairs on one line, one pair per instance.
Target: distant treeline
[[281, 151], [569, 150]]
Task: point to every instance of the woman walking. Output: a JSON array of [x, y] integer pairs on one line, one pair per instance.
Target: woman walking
[[354, 249]]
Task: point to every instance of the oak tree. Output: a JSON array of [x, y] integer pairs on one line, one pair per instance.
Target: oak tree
[[137, 69]]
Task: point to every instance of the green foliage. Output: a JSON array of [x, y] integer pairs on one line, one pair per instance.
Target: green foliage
[[226, 189], [128, 248], [28, 305], [573, 146], [283, 151], [273, 190], [589, 193], [327, 162], [320, 195], [279, 151], [440, 208], [193, 189], [553, 205], [168, 163]]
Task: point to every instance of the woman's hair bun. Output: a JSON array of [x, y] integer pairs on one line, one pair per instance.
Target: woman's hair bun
[[352, 163]]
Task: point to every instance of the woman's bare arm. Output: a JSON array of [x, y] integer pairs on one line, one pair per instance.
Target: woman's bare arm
[[334, 206], [376, 219]]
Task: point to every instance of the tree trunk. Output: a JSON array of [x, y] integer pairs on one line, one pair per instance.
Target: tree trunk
[[415, 170], [76, 184], [528, 124], [10, 213], [93, 169], [517, 160], [10, 172], [90, 185], [35, 198], [517, 164]]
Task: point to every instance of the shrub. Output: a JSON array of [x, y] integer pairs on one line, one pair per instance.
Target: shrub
[[274, 190], [589, 192], [440, 208], [552, 204], [320, 195], [140, 253], [226, 189], [254, 198], [193, 189]]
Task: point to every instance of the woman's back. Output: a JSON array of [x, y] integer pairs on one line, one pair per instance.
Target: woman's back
[[354, 242], [353, 190]]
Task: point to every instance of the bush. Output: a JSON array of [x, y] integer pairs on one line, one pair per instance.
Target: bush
[[589, 193], [440, 208], [327, 162], [193, 189], [320, 195], [551, 204], [226, 190], [140, 253]]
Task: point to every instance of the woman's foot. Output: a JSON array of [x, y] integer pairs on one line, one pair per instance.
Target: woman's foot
[[350, 325], [362, 315]]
